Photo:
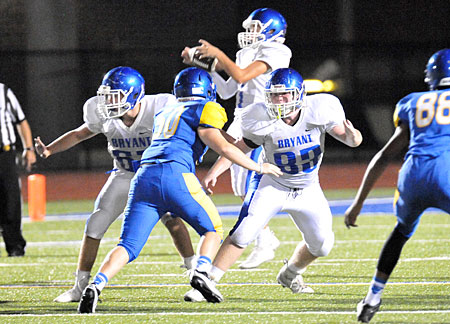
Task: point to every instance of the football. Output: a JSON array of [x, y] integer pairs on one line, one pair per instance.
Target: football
[[206, 63]]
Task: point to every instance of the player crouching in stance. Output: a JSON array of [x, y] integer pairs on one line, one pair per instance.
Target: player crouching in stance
[[166, 181], [291, 129], [422, 122]]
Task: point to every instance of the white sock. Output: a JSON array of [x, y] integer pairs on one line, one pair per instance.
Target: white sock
[[375, 290], [190, 262], [216, 274], [82, 279], [293, 268]]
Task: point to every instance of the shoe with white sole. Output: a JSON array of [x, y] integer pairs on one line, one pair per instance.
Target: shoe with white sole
[[293, 281], [262, 252], [89, 300], [194, 296], [207, 287], [258, 256], [365, 312], [71, 295], [74, 294]]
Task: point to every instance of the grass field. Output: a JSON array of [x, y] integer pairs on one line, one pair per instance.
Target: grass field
[[151, 289]]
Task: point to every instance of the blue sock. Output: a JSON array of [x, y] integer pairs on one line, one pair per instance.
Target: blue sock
[[100, 280]]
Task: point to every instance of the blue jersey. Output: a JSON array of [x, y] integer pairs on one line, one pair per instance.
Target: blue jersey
[[175, 135], [428, 116], [424, 180]]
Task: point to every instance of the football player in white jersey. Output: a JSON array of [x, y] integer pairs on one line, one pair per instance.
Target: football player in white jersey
[[262, 51], [291, 129], [124, 114]]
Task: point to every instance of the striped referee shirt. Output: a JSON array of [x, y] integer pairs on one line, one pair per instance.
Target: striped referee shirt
[[10, 114]]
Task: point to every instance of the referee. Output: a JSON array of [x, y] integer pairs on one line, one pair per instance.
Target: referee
[[11, 115]]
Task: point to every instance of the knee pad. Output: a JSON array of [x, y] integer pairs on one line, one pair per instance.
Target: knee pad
[[241, 242], [325, 248], [98, 223]]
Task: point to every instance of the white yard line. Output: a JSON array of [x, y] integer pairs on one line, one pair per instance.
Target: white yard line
[[227, 313]]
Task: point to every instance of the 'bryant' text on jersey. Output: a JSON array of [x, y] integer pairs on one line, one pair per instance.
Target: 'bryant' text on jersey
[[131, 142], [294, 141]]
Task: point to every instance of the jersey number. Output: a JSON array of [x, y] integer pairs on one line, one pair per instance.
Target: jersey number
[[166, 123], [125, 160], [287, 161], [425, 111]]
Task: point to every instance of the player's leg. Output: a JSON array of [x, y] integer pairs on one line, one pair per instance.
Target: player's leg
[[311, 214], [409, 206], [141, 215], [263, 201], [109, 204], [197, 209], [266, 242], [181, 239]]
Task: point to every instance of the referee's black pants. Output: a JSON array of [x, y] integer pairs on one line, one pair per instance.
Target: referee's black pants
[[11, 204]]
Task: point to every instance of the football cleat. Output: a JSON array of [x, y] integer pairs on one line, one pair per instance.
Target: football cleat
[[194, 296], [293, 281], [73, 294], [365, 312], [207, 287], [258, 256], [89, 300]]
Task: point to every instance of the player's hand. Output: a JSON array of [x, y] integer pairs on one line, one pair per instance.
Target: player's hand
[[208, 182], [207, 50], [185, 56], [41, 148], [351, 214], [352, 133], [268, 168]]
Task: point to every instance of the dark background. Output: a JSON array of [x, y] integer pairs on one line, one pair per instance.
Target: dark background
[[54, 53]]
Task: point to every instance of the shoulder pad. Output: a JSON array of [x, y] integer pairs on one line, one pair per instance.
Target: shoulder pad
[[90, 113], [255, 119], [323, 109]]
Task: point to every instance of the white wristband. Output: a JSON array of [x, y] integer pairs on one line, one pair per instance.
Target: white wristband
[[260, 168]]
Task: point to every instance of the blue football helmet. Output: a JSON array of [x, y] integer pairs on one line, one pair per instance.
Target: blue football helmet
[[437, 72], [194, 84], [283, 81], [263, 25], [122, 89]]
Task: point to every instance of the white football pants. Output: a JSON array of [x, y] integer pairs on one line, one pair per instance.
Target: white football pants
[[307, 207]]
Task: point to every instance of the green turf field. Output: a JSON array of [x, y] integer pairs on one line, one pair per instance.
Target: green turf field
[[151, 289]]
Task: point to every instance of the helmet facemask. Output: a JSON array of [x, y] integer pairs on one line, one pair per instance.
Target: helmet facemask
[[283, 109], [253, 35], [113, 103]]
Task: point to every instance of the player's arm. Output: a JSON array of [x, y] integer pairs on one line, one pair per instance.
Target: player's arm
[[218, 140], [396, 144], [347, 134], [64, 142], [225, 89], [222, 164], [224, 62]]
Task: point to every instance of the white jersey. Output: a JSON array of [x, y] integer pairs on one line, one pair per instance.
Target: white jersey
[[276, 55], [297, 149], [126, 144]]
